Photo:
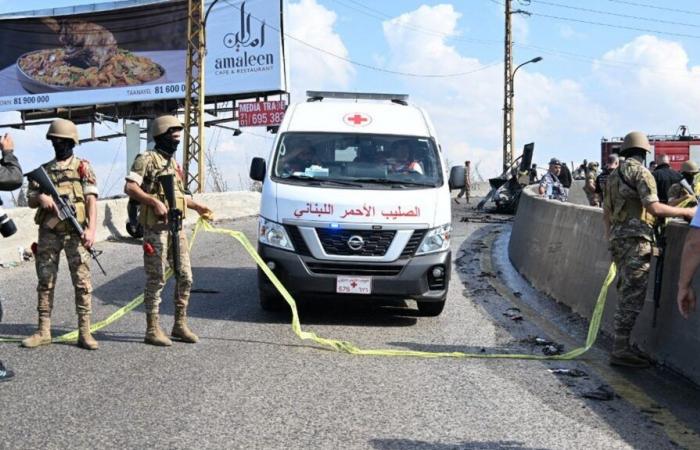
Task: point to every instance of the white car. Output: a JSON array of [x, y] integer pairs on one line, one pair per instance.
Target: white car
[[355, 202]]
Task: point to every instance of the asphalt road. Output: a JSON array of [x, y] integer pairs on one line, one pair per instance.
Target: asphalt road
[[250, 383]]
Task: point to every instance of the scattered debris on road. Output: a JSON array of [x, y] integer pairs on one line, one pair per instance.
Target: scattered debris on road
[[513, 314], [603, 393], [485, 218], [574, 373], [552, 349]]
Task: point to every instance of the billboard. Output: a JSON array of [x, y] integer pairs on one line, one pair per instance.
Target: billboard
[[137, 53]]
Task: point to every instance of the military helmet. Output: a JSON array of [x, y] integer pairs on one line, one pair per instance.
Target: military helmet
[[690, 167], [62, 128], [162, 124], [636, 139]]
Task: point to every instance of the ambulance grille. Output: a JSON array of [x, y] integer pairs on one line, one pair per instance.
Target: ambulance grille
[[335, 242]]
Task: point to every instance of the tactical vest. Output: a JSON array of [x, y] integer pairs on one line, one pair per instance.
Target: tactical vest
[[625, 200], [158, 165], [70, 186]]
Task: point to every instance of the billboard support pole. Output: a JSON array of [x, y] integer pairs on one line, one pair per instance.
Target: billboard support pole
[[193, 157]]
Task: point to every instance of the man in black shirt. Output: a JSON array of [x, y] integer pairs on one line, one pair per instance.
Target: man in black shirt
[[665, 177], [612, 163]]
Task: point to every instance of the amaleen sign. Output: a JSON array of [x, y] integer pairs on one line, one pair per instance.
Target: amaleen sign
[[136, 53]]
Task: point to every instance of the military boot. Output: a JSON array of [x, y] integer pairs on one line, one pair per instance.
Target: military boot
[[85, 339], [42, 335], [154, 335], [623, 355], [180, 329]]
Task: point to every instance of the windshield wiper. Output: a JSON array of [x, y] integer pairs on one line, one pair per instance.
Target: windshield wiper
[[318, 181], [393, 182]]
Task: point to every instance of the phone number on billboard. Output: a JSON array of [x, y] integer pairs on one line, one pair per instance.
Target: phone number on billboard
[[261, 119], [170, 89], [31, 100]]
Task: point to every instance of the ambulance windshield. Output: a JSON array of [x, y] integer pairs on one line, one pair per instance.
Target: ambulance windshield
[[358, 158]]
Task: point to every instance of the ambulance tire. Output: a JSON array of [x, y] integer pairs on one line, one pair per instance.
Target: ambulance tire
[[431, 309]]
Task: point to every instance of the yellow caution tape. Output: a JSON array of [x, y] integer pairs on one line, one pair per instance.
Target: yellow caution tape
[[349, 347]]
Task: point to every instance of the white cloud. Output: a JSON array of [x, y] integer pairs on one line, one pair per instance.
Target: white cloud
[[310, 68], [467, 110], [568, 32], [655, 90]]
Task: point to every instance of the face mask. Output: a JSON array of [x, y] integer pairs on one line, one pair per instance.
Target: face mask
[[166, 144], [63, 149]]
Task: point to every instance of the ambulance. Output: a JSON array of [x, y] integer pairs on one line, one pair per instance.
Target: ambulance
[[356, 203]]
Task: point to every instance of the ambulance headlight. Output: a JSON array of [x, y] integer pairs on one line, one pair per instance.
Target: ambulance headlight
[[274, 234], [436, 240]]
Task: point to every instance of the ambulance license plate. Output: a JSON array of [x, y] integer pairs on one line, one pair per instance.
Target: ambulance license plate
[[354, 285]]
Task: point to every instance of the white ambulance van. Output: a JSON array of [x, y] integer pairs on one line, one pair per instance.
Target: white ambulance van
[[356, 203]]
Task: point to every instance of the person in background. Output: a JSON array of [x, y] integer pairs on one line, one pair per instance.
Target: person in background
[[467, 183], [665, 177], [676, 194], [629, 213], [589, 183], [565, 177], [652, 166], [533, 174], [10, 179], [612, 164], [550, 186]]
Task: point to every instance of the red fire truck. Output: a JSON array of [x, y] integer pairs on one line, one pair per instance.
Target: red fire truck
[[679, 147]]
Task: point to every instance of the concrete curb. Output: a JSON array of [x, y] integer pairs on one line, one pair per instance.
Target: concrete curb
[[113, 217], [560, 248]]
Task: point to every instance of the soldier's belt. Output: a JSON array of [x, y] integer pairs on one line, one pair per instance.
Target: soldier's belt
[[345, 346]]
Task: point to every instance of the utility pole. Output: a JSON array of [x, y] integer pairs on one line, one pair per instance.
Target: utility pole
[[193, 158], [508, 91]]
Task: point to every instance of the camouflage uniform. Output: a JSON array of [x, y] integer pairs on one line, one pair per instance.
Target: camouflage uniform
[[676, 191], [145, 171], [76, 180], [590, 192], [631, 236]]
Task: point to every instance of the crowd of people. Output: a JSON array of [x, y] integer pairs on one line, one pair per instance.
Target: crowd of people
[[636, 200]]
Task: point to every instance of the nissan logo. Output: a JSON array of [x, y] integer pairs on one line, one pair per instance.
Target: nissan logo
[[356, 242]]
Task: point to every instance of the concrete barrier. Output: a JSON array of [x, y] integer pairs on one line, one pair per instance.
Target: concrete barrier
[[560, 248], [112, 215]]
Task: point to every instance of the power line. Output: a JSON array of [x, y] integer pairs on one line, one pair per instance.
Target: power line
[[661, 8], [609, 13], [617, 26]]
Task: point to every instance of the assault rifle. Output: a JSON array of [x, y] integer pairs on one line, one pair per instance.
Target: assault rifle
[[66, 210], [174, 219], [660, 237]]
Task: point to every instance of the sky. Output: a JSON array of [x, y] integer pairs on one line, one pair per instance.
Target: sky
[[609, 67]]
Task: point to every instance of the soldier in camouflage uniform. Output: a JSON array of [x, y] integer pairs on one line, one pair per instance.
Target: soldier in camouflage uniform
[[630, 206], [143, 186], [589, 183], [73, 178], [676, 193]]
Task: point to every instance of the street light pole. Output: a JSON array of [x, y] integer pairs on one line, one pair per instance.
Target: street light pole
[[511, 104]]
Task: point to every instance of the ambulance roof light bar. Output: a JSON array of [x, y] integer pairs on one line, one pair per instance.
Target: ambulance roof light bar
[[317, 96]]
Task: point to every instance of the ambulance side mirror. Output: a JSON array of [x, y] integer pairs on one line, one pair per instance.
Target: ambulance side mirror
[[457, 177], [257, 169]]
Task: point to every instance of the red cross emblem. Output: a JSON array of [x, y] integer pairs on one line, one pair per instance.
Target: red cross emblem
[[353, 284], [357, 119]]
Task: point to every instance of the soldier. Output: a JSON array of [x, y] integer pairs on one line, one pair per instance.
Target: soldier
[[74, 178], [630, 205], [466, 190], [143, 186], [676, 193], [589, 183]]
